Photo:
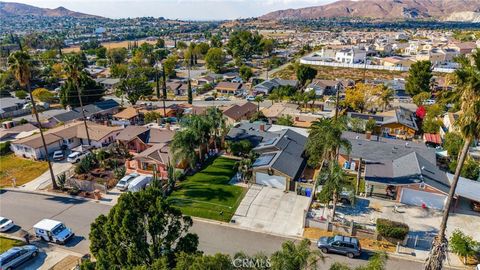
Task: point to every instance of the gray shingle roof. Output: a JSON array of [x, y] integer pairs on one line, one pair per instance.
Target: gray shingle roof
[[250, 131]]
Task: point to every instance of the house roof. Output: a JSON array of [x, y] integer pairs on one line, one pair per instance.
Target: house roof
[[380, 148], [250, 131], [14, 131], [278, 109], [399, 115], [236, 112], [89, 109], [229, 86], [127, 113], [146, 134], [466, 188], [408, 169], [158, 153], [283, 153], [68, 131], [432, 138]]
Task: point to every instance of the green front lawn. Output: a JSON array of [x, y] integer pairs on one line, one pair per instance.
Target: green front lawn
[[7, 243], [207, 193], [24, 170]]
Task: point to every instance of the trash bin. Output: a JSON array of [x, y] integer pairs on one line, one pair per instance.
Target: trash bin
[[308, 192]]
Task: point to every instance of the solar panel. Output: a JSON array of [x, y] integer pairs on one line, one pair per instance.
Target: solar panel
[[263, 160]]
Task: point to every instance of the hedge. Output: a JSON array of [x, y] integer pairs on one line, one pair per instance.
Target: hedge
[[392, 229], [5, 148]]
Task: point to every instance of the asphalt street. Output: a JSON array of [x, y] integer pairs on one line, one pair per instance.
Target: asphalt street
[[25, 209]]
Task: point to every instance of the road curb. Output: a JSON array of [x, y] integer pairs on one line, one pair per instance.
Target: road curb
[[46, 193]]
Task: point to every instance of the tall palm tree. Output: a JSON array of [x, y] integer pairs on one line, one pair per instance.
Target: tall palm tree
[[258, 99], [73, 69], [336, 181], [386, 96], [183, 147], [296, 257], [468, 85], [216, 120], [200, 127], [20, 64]]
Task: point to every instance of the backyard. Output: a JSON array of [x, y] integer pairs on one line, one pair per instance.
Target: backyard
[[24, 170], [207, 194]]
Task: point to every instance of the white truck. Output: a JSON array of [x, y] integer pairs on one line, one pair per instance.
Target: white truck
[[139, 183], [52, 231]]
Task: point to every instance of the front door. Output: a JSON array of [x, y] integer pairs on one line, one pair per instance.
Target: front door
[[292, 185]]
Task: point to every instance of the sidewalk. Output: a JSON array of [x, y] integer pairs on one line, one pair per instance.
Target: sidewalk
[[44, 180]]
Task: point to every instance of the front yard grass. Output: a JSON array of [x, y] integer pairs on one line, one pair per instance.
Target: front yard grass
[[24, 170], [7, 243], [207, 193]]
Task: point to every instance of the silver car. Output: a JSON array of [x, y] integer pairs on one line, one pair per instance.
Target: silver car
[[15, 256], [125, 181]]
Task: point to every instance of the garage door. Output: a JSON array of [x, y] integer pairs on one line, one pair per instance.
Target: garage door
[[270, 180], [417, 197]]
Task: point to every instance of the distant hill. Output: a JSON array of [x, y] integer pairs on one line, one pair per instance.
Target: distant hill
[[11, 9], [386, 9]]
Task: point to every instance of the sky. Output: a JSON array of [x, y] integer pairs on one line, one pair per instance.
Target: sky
[[176, 9]]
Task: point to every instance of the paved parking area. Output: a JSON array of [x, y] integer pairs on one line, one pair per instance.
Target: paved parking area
[[272, 210], [422, 222]]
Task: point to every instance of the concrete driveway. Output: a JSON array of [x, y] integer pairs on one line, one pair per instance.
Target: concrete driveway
[[272, 210]]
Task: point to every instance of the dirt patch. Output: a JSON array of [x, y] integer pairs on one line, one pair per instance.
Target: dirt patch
[[68, 262]]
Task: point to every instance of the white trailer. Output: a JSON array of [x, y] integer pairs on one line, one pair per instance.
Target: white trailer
[[139, 183]]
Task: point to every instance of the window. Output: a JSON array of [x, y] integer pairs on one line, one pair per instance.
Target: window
[[336, 244]]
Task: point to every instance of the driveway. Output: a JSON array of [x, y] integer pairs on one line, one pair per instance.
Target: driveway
[[272, 210]]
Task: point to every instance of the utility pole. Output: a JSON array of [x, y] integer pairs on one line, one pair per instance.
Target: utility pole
[[83, 111], [336, 104], [164, 89]]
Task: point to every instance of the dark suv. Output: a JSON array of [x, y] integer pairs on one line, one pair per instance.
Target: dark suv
[[345, 245]]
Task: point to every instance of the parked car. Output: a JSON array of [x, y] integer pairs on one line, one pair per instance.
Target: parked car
[[250, 98], [345, 245], [52, 231], [209, 98], [58, 155], [429, 102], [125, 181], [15, 256], [5, 224], [139, 183], [75, 157], [223, 99]]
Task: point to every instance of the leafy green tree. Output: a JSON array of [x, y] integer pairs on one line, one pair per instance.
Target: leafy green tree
[[101, 52], [160, 43], [21, 94], [93, 91], [245, 73], [431, 125], [197, 261], [357, 124], [183, 146], [215, 59], [295, 257], [244, 44], [463, 245], [335, 182], [119, 70], [267, 45], [139, 229], [453, 143], [470, 169], [42, 94], [305, 73], [285, 120], [216, 41], [152, 116], [170, 63], [181, 45], [376, 262], [419, 77], [135, 88], [419, 98], [117, 55], [201, 49]]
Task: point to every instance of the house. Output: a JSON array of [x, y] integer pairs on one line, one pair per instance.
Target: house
[[150, 149], [108, 83], [324, 87], [173, 87], [204, 80], [255, 132], [281, 161], [237, 113], [8, 132], [449, 120], [97, 111], [409, 179], [228, 87], [397, 61], [65, 136], [463, 47], [10, 106], [278, 110], [351, 56], [47, 118], [267, 86]]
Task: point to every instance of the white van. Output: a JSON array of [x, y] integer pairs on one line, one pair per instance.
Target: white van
[[52, 231], [139, 183]]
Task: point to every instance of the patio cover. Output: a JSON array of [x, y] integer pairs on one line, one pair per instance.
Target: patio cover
[[466, 188]]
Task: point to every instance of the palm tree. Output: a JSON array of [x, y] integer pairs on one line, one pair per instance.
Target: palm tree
[[258, 99], [73, 69], [200, 127], [20, 64], [216, 121], [336, 181], [376, 262], [183, 147], [296, 257], [386, 96], [468, 85], [325, 140]]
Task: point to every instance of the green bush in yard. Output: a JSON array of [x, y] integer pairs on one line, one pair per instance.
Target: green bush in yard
[[392, 229], [5, 148]]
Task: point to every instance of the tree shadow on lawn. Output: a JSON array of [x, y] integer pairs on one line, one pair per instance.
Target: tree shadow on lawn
[[209, 194]]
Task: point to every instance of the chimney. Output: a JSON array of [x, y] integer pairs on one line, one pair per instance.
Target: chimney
[[368, 135], [262, 127]]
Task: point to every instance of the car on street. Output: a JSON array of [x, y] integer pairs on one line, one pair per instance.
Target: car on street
[[58, 155], [15, 256], [125, 181], [222, 99], [6, 224], [346, 245], [75, 157], [209, 98], [250, 98]]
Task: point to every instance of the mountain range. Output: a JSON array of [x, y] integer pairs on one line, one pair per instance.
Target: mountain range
[[17, 9], [458, 10]]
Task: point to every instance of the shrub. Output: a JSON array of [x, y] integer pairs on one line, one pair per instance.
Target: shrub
[[61, 179], [21, 94], [463, 245], [85, 165], [119, 172], [5, 149], [392, 229]]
